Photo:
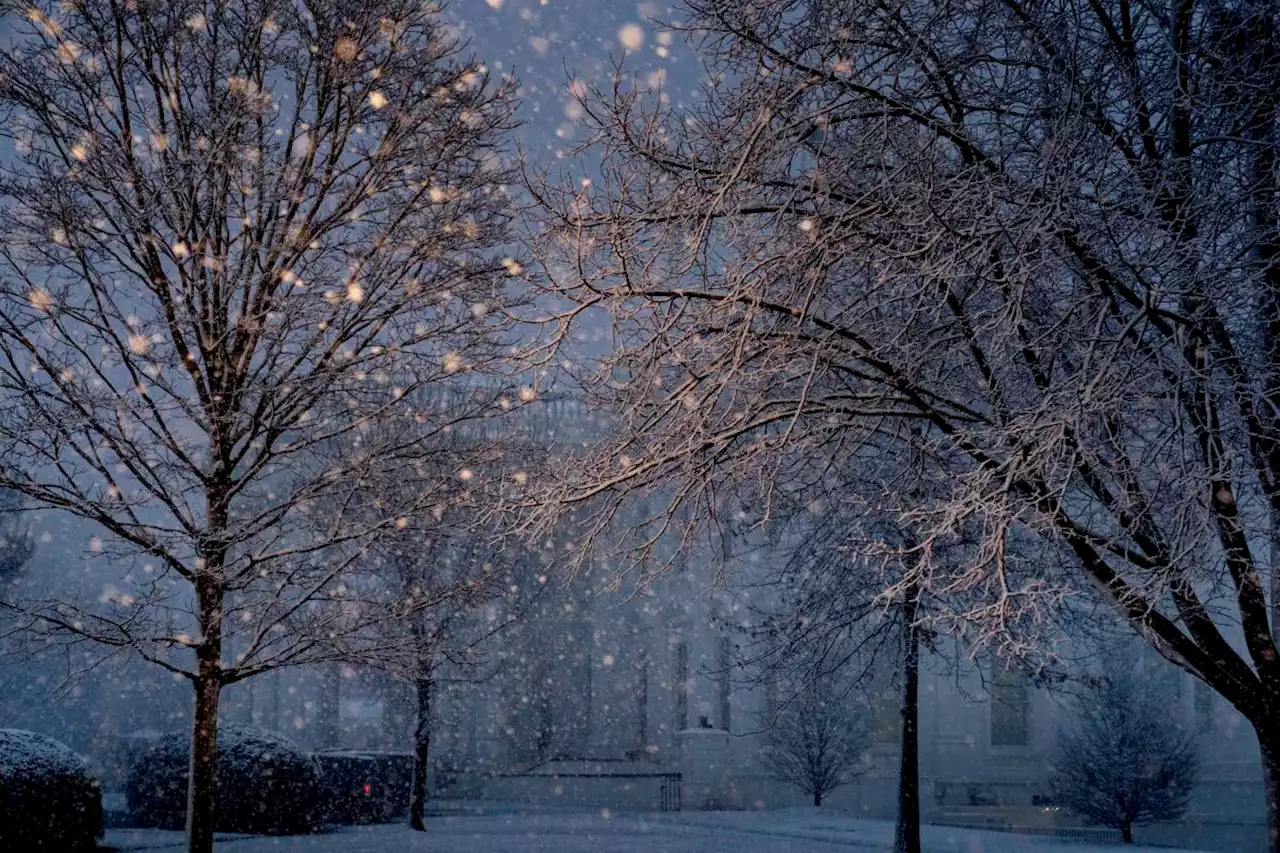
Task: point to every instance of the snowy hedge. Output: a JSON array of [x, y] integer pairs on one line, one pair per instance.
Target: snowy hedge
[[49, 798], [266, 784]]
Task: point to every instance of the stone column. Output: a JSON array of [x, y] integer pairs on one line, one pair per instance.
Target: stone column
[[325, 732]]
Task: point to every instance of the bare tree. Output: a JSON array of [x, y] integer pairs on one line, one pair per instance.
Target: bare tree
[[828, 618], [1126, 761], [479, 588], [817, 743], [830, 625], [447, 584], [236, 234], [1047, 232]]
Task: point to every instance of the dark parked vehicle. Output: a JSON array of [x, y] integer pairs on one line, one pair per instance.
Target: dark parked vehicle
[[364, 786]]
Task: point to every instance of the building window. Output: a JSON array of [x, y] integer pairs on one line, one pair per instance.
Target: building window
[[726, 683], [1010, 704], [682, 686], [886, 715], [1204, 707]]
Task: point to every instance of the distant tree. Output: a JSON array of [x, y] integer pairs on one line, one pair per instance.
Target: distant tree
[[828, 619], [1127, 761], [816, 743], [15, 539], [476, 587], [465, 585], [545, 661]]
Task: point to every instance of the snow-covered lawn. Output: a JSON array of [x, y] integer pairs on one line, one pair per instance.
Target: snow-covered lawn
[[685, 832]]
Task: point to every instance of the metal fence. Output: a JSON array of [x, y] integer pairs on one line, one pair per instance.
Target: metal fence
[[670, 792]]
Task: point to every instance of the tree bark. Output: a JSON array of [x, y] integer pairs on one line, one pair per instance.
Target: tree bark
[[1126, 832], [906, 834], [1274, 571], [817, 799], [1269, 746], [202, 780], [421, 756], [202, 783]]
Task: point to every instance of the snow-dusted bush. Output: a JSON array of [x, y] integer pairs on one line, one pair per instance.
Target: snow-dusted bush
[[266, 783], [49, 798]]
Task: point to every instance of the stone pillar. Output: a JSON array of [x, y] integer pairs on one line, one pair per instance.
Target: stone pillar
[[706, 770], [325, 724]]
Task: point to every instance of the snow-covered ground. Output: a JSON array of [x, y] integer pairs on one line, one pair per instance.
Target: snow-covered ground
[[686, 832]]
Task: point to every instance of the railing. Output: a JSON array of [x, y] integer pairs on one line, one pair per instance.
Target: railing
[[1087, 833], [633, 788], [669, 792]]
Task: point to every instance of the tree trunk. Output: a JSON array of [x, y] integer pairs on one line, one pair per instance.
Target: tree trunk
[[1269, 745], [1274, 572], [817, 799], [906, 835], [1126, 832], [421, 756], [202, 783]]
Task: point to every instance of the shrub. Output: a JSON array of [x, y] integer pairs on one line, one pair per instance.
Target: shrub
[[50, 801], [266, 784]]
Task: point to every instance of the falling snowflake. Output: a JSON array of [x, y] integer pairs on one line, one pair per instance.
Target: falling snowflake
[[631, 36], [40, 299], [345, 49]]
